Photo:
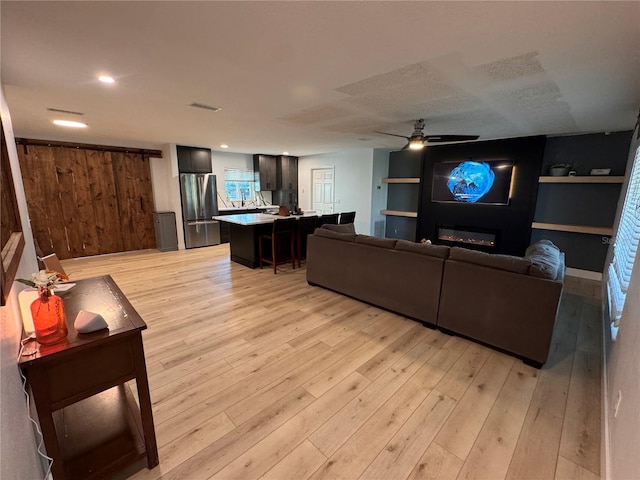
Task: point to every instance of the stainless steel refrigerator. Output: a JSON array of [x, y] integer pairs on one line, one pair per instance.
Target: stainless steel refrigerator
[[199, 206]]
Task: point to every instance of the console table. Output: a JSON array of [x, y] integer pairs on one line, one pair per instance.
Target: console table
[[91, 423]]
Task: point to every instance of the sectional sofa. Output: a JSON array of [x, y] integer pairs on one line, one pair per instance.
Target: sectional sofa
[[509, 303]]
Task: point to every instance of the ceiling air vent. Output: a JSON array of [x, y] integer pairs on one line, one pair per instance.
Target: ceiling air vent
[[205, 107], [60, 110]]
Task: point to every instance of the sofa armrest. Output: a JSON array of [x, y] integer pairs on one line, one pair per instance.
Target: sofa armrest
[[511, 311]]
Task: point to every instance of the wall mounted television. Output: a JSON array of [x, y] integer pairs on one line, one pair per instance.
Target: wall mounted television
[[472, 181]]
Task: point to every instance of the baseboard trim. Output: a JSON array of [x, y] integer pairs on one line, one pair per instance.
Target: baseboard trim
[[605, 454], [589, 275]]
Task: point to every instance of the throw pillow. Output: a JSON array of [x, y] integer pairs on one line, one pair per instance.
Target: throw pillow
[[323, 232], [343, 228], [545, 259]]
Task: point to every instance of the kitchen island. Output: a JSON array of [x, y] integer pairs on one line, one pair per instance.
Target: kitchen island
[[224, 227], [244, 234]]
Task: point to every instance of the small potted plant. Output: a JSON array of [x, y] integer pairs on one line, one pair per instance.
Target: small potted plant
[[559, 169]]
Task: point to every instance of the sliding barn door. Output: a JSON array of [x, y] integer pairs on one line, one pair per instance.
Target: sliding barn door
[[86, 202]]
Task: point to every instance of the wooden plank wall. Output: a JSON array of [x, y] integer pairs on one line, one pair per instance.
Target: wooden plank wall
[[9, 215], [85, 202]]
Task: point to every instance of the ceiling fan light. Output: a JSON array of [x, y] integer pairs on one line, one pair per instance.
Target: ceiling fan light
[[416, 144]]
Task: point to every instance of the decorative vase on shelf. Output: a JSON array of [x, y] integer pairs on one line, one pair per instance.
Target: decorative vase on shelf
[[559, 170], [49, 319]]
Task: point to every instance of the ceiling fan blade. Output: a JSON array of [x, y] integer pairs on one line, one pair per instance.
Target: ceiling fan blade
[[392, 134], [450, 138]]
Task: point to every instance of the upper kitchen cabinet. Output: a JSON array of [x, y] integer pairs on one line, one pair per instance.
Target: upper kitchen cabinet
[[194, 160], [264, 166], [287, 168]]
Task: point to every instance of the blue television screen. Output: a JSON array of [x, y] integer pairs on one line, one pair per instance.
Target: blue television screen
[[472, 181]]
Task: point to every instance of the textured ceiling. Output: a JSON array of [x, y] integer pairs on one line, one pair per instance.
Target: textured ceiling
[[314, 77]]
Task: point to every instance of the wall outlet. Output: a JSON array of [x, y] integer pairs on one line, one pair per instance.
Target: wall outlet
[[617, 405]]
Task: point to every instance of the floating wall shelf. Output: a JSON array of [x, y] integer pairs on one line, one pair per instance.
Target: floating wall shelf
[[399, 213], [401, 180], [583, 179], [573, 228]]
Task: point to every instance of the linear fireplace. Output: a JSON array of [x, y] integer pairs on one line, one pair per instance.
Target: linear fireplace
[[468, 236]]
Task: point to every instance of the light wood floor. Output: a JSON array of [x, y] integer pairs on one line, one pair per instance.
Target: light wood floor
[[256, 375]]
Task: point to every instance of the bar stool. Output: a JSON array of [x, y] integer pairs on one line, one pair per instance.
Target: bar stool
[[328, 218], [282, 231], [347, 217], [306, 226]]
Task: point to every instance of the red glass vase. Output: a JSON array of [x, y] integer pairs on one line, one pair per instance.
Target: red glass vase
[[49, 319]]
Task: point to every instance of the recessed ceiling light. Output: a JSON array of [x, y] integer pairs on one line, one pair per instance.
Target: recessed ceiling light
[[224, 145], [106, 79], [60, 110], [285, 153], [69, 123], [205, 106]]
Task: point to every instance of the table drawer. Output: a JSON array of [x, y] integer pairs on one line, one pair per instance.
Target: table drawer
[[81, 376]]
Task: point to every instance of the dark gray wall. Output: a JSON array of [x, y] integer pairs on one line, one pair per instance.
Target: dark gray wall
[[586, 204], [403, 196], [581, 250], [592, 204], [401, 227], [405, 164], [584, 152]]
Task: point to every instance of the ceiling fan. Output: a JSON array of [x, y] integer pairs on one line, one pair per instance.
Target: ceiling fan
[[418, 139]]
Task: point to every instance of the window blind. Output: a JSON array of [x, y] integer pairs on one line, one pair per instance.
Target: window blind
[[625, 245], [239, 185], [238, 175]]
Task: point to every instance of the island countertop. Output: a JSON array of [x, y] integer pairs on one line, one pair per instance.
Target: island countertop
[[247, 208], [248, 219]]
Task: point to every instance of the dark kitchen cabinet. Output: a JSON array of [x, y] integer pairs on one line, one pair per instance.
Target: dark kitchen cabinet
[[287, 168], [266, 167], [288, 198], [224, 232], [201, 158], [194, 160]]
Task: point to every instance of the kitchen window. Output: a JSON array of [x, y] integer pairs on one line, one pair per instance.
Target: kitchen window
[[239, 185]]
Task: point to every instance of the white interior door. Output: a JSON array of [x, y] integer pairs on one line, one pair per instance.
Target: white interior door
[[322, 186]]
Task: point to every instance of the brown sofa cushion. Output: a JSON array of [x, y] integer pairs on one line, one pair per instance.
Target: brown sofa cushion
[[344, 228], [376, 241], [345, 237], [502, 262], [440, 251], [546, 260]]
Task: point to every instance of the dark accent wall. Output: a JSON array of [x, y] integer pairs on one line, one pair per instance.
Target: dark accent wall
[[581, 250], [403, 196], [512, 221], [584, 152], [585, 204], [401, 227]]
